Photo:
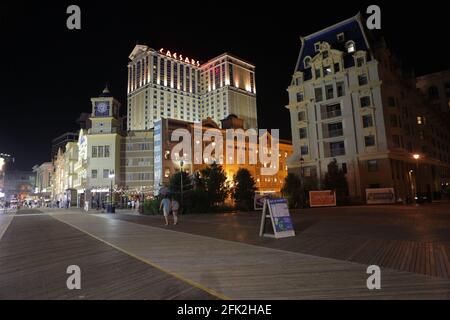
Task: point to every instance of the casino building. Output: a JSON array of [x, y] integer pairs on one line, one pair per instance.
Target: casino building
[[165, 84]]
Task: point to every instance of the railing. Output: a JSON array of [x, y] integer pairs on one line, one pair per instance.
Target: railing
[[331, 114], [335, 152], [334, 133]]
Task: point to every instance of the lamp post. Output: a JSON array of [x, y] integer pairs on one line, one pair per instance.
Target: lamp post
[[111, 176], [301, 180], [181, 188], [417, 158]]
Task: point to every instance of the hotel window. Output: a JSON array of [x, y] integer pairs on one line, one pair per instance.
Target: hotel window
[[223, 77], [360, 61], [231, 74], [318, 94], [182, 77], [94, 174], [188, 79], [105, 173], [362, 79], [303, 133], [337, 149], [161, 71], [175, 75], [317, 73], [155, 69], [391, 102], [304, 150], [327, 70], [169, 72], [307, 62], [337, 67], [350, 46], [106, 151], [369, 141], [340, 37], [325, 54], [365, 101], [302, 116], [94, 152], [329, 91], [252, 82], [420, 120], [335, 130], [299, 96], [433, 93], [372, 165], [138, 74], [393, 120], [340, 89], [367, 121], [396, 141], [317, 46], [217, 77]]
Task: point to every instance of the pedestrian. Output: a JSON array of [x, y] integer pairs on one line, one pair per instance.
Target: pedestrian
[[175, 208], [132, 204], [165, 206]]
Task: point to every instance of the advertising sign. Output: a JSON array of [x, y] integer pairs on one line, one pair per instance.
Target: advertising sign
[[380, 196], [277, 212], [326, 198]]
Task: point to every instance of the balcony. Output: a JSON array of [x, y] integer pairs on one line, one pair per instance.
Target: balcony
[[331, 114], [333, 133]]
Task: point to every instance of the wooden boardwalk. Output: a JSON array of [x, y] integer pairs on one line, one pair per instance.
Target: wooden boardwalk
[[35, 252], [244, 271], [398, 238]]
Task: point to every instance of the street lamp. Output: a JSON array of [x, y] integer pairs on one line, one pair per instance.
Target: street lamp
[[301, 180], [417, 158], [111, 176], [181, 188]]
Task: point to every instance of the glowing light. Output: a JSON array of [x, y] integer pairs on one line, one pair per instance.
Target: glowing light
[[416, 156], [179, 57], [2, 163]]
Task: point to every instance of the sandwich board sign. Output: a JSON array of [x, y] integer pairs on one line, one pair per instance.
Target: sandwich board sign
[[276, 220]]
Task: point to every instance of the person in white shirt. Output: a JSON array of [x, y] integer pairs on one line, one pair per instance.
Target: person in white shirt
[[166, 206]]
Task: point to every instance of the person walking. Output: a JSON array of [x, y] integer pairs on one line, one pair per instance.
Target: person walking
[[165, 206], [175, 208]]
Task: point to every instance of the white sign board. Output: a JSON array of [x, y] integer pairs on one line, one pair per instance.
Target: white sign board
[[276, 211], [380, 196]]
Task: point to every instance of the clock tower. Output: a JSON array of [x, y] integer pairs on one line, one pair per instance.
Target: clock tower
[[105, 115]]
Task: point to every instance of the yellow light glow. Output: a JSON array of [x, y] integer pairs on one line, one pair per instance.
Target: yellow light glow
[[416, 156], [2, 163]]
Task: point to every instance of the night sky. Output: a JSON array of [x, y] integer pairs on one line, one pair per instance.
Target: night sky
[[48, 73]]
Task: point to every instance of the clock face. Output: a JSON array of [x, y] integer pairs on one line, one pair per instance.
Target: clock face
[[102, 109]]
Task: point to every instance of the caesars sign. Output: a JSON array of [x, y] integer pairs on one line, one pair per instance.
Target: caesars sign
[[325, 198], [380, 196]]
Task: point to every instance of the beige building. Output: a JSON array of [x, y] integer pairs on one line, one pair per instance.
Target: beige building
[[165, 166], [166, 84], [350, 100], [44, 174]]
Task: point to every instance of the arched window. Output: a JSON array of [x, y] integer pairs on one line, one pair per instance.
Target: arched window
[[350, 46], [307, 62]]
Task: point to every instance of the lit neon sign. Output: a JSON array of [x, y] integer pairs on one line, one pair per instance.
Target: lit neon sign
[[179, 57]]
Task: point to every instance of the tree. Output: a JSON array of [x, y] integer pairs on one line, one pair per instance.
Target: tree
[[292, 190], [335, 180], [175, 184], [244, 189], [215, 181]]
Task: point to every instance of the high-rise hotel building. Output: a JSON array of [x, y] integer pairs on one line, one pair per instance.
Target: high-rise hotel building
[[165, 84], [350, 100]]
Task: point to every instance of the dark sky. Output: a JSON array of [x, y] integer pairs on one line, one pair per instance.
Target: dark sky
[[48, 73]]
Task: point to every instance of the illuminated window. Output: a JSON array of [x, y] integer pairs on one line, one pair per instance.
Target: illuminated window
[[420, 120], [350, 46]]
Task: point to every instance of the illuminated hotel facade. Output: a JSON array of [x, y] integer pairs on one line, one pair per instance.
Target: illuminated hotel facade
[[165, 84]]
